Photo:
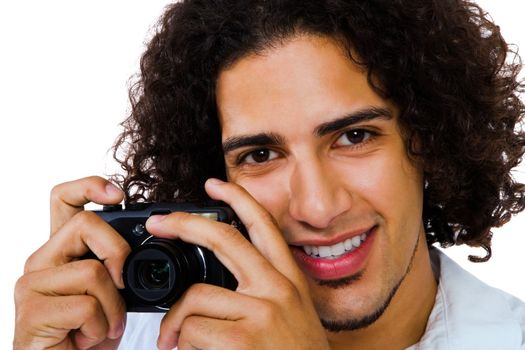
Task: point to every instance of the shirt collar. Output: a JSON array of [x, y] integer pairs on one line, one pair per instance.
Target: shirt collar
[[467, 313]]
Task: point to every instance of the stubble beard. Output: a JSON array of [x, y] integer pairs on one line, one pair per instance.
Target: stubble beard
[[352, 324]]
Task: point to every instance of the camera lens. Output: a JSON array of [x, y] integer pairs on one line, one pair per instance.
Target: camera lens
[[154, 274], [159, 271]]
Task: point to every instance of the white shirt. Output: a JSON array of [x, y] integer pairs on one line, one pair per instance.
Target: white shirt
[[467, 314]]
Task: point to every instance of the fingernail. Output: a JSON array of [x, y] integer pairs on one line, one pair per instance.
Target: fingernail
[[122, 327], [119, 331], [155, 219], [214, 181], [112, 189], [163, 343], [160, 346]]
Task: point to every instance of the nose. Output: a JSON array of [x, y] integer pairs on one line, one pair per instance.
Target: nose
[[317, 194]]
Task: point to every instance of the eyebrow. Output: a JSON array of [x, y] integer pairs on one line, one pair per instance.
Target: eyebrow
[[262, 139], [272, 139], [359, 116]]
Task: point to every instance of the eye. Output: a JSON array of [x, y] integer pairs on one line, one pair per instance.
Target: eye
[[353, 137], [258, 156]]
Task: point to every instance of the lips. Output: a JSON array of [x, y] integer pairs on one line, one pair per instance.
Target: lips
[[331, 268]]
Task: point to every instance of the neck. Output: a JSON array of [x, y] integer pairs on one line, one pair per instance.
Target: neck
[[404, 322]]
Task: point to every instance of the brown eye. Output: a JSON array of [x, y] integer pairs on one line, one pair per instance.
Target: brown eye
[[259, 156], [353, 137]]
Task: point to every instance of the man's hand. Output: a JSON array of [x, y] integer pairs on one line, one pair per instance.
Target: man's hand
[[66, 303], [271, 308]]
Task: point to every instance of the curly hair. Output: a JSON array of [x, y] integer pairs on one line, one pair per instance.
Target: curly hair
[[444, 63]]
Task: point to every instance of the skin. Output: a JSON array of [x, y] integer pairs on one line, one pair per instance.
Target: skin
[[321, 187], [312, 186], [66, 304]]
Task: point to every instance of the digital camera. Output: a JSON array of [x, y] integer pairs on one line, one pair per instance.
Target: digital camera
[[158, 271]]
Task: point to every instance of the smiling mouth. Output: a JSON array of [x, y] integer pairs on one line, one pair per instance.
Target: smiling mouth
[[342, 261], [337, 250]]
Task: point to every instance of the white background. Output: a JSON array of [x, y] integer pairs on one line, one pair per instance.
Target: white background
[[64, 67]]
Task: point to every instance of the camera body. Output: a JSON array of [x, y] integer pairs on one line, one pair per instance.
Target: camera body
[[158, 271]]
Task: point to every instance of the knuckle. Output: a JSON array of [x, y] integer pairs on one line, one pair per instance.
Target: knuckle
[[182, 217], [287, 293], [89, 308], [56, 192], [196, 292], [116, 251], [268, 218], [120, 250], [230, 231], [267, 312], [94, 271], [84, 218], [192, 325], [22, 289], [31, 262], [228, 234]]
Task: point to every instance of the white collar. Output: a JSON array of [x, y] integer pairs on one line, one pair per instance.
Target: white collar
[[469, 314]]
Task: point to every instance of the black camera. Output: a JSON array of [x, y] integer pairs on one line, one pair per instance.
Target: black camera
[[158, 271]]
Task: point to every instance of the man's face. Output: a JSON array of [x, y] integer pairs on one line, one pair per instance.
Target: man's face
[[305, 134]]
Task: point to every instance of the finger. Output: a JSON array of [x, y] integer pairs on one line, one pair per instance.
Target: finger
[[57, 316], [69, 198], [108, 344], [83, 277], [83, 233], [206, 333], [224, 240], [208, 301], [85, 315], [262, 228]]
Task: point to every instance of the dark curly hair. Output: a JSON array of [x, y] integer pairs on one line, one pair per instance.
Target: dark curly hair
[[442, 62]]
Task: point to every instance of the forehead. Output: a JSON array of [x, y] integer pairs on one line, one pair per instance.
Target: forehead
[[298, 84]]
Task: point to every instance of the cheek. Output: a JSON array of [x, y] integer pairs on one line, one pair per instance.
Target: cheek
[[270, 191], [388, 183], [392, 189]]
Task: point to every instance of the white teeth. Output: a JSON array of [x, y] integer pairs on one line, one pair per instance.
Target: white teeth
[[336, 249], [339, 248], [324, 251], [308, 249]]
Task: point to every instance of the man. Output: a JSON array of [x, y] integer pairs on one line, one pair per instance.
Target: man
[[352, 135]]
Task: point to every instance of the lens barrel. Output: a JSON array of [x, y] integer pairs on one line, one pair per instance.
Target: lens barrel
[[160, 270]]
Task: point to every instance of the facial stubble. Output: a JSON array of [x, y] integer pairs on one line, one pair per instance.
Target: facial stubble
[[363, 322]]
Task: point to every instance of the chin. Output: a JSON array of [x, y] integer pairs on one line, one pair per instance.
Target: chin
[[342, 310]]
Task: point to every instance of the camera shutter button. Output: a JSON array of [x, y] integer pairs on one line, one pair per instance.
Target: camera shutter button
[[138, 230]]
